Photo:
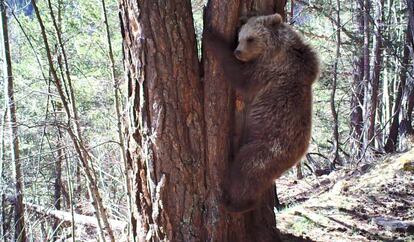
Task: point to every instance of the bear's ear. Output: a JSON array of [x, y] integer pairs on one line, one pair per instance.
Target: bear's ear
[[243, 19], [272, 20]]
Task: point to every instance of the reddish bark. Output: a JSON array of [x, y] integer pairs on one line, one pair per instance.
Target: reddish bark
[[219, 104], [166, 149], [181, 130]]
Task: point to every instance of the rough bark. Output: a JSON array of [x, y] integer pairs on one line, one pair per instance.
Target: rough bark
[[181, 130], [19, 224], [218, 105], [219, 111], [166, 149]]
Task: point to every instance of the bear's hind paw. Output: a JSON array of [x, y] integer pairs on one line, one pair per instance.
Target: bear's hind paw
[[239, 206]]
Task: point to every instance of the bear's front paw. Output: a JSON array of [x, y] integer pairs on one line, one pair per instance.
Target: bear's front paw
[[214, 42]]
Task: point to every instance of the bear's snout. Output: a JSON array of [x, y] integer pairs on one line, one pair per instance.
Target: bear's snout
[[237, 53]]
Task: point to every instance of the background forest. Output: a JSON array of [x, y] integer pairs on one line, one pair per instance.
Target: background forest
[[63, 159]]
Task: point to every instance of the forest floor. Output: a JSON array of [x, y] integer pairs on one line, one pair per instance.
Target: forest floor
[[373, 202]]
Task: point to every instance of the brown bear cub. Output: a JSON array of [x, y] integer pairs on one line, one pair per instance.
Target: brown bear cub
[[274, 71]]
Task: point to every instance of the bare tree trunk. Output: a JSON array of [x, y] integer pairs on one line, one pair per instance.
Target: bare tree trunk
[[20, 231], [366, 7], [4, 224], [391, 144], [410, 107], [376, 72], [357, 99], [334, 84], [410, 86], [181, 131], [410, 10], [58, 182], [60, 152], [410, 103], [69, 179], [166, 148]]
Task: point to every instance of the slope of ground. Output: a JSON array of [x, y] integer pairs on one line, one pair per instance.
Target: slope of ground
[[370, 203]]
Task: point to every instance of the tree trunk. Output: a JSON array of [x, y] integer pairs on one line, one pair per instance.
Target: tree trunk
[[19, 229], [410, 94], [376, 72], [366, 7], [357, 99], [58, 182], [4, 224], [391, 144], [181, 131], [410, 103], [218, 100], [167, 147], [410, 10], [334, 84]]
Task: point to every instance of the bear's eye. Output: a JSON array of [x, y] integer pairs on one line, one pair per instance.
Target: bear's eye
[[250, 40]]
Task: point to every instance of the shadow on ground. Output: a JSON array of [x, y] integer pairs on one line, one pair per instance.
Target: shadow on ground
[[293, 238]]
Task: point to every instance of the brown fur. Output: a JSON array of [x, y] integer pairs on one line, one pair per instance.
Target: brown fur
[[274, 73]]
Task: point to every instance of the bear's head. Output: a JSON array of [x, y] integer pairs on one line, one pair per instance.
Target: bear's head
[[258, 36]]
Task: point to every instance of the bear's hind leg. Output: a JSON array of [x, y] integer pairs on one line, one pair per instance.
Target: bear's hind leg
[[250, 174]]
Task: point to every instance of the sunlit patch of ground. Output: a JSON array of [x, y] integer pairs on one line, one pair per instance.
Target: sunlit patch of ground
[[371, 203]]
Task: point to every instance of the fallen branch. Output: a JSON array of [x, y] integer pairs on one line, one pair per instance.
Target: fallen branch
[[79, 219]]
